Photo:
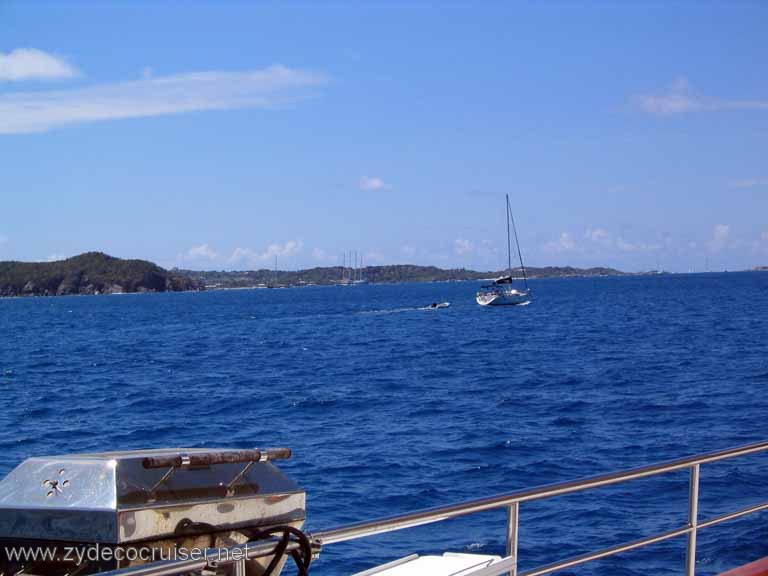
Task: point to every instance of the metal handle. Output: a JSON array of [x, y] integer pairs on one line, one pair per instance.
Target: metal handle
[[210, 458]]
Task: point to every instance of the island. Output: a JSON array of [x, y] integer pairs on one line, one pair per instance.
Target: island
[[89, 273], [98, 273], [336, 275]]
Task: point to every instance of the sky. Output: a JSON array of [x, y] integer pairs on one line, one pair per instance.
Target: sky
[[220, 135]]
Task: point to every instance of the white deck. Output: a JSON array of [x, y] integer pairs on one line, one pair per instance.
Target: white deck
[[449, 564]]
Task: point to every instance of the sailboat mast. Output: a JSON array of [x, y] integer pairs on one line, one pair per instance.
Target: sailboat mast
[[517, 243], [509, 245]]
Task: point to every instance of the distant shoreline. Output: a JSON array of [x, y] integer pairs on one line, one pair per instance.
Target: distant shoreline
[[94, 273], [390, 274], [394, 283]]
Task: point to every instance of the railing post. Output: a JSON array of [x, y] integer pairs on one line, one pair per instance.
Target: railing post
[[240, 568], [513, 518], [693, 521]]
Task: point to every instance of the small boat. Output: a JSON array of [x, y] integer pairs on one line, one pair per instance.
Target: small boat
[[502, 291], [437, 305]]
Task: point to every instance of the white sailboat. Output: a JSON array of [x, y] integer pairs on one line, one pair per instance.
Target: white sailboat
[[503, 292]]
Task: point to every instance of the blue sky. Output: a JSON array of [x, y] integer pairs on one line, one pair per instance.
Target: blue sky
[[218, 135]]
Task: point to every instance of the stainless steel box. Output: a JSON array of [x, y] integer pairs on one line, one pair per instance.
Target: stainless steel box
[[125, 497]]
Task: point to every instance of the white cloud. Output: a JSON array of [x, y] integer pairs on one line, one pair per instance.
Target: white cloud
[[462, 246], [720, 236], [482, 250], [290, 248], [597, 242], [373, 183], [675, 100], [32, 64], [679, 99], [199, 253], [22, 112], [255, 258], [321, 255], [563, 244], [56, 257], [761, 243], [242, 254], [597, 235], [624, 246]]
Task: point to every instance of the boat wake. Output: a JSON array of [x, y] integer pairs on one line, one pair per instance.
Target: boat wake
[[408, 309], [388, 311]]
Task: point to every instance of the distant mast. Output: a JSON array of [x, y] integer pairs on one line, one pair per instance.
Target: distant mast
[[517, 243], [509, 243]]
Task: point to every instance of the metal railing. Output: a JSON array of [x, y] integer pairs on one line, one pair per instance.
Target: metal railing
[[512, 501]]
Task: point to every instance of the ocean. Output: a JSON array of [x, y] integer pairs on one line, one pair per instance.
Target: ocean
[[390, 408]]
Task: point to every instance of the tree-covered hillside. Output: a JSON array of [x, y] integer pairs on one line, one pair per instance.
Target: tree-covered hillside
[[89, 273], [374, 274]]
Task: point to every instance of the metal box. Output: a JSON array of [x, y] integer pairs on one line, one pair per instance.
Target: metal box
[[125, 497]]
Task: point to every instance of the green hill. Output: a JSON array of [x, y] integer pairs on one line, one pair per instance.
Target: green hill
[[373, 274], [89, 273]]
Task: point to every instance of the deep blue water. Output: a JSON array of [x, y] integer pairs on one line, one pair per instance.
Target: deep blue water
[[389, 408]]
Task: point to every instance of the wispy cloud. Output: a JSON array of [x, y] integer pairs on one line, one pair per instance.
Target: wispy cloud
[[761, 244], [624, 246], [597, 235], [32, 64], [720, 236], [22, 112], [321, 255], [596, 241], [680, 99], [373, 183], [565, 243], [462, 246], [199, 253], [483, 249], [251, 257]]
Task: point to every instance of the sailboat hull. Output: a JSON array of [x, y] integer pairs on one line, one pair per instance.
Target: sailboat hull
[[503, 298], [501, 292]]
